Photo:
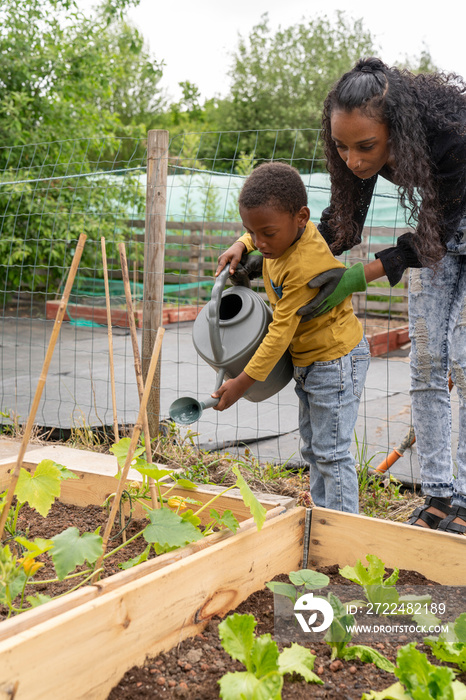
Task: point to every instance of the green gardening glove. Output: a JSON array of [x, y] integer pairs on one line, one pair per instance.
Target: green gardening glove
[[335, 285]]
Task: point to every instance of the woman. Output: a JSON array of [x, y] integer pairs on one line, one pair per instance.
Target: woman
[[410, 130]]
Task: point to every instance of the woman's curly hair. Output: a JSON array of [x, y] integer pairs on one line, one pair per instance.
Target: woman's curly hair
[[411, 106]]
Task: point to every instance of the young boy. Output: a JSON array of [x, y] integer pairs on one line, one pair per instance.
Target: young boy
[[330, 353]]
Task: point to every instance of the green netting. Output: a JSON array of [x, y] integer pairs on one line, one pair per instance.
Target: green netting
[[91, 290]]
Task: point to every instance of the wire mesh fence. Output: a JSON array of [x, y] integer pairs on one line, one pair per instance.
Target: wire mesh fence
[[52, 192]]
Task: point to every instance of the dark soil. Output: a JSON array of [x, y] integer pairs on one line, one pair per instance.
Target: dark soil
[[86, 519], [193, 668]]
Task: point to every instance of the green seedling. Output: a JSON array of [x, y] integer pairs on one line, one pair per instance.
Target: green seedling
[[381, 594], [451, 646], [265, 665], [304, 580], [420, 680], [339, 635]]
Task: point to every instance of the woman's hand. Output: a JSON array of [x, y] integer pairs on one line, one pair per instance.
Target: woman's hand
[[338, 283], [231, 391], [231, 256]]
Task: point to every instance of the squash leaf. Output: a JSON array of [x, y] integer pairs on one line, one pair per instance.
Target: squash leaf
[[258, 511], [71, 550], [41, 488], [168, 529]]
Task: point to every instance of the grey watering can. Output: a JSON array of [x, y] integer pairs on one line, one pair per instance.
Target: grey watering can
[[226, 334]]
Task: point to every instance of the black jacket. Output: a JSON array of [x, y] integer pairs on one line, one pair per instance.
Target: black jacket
[[448, 156]]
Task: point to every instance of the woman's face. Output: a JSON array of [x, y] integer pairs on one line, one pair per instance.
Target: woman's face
[[362, 142]]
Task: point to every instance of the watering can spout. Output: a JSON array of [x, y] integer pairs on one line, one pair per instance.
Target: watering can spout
[[187, 410]]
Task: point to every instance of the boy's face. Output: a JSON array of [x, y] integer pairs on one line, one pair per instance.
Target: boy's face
[[273, 231]]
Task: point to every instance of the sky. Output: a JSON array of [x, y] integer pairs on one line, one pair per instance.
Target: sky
[[195, 38]]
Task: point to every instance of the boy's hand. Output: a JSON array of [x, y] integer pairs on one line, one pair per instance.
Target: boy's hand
[[232, 256], [231, 391], [249, 268], [335, 285]]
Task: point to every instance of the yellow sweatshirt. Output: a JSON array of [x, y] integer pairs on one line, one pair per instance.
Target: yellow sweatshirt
[[324, 338]]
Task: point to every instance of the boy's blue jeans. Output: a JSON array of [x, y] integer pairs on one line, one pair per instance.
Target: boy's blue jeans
[[437, 326], [329, 394]]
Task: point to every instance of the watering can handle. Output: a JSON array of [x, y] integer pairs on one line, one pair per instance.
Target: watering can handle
[[213, 314]]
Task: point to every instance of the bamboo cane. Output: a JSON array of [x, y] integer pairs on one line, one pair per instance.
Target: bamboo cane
[[110, 340], [137, 365], [134, 440], [41, 383]]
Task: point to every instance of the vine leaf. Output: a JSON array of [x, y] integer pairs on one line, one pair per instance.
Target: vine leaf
[[41, 488], [70, 550], [120, 450], [226, 520], [167, 529], [258, 511]]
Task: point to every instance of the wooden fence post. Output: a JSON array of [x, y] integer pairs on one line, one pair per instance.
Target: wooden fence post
[[154, 255]]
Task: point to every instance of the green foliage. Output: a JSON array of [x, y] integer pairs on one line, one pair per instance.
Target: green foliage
[[12, 576], [420, 680], [280, 81], [419, 64], [70, 549], [451, 646], [257, 509], [370, 575], [227, 519], [65, 73], [120, 450], [139, 559], [265, 666], [303, 580], [380, 592], [339, 635], [70, 84], [169, 530], [40, 223], [41, 488]]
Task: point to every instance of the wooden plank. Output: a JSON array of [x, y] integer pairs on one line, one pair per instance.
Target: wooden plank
[[87, 650], [96, 481], [343, 538], [61, 605]]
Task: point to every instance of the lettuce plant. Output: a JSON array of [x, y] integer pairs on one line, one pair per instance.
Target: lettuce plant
[[339, 635], [420, 680], [265, 665], [451, 646], [380, 591]]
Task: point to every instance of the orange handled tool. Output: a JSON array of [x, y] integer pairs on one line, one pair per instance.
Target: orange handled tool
[[399, 451]]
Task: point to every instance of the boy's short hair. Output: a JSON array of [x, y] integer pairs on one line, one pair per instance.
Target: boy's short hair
[[274, 184]]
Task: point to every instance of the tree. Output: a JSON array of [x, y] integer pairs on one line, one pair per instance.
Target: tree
[[69, 85], [65, 75], [419, 64], [279, 82]]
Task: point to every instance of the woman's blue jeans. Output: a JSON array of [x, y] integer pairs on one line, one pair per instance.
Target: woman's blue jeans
[[437, 327], [329, 394]]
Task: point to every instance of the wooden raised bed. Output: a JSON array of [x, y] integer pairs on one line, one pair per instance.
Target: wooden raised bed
[[81, 645]]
